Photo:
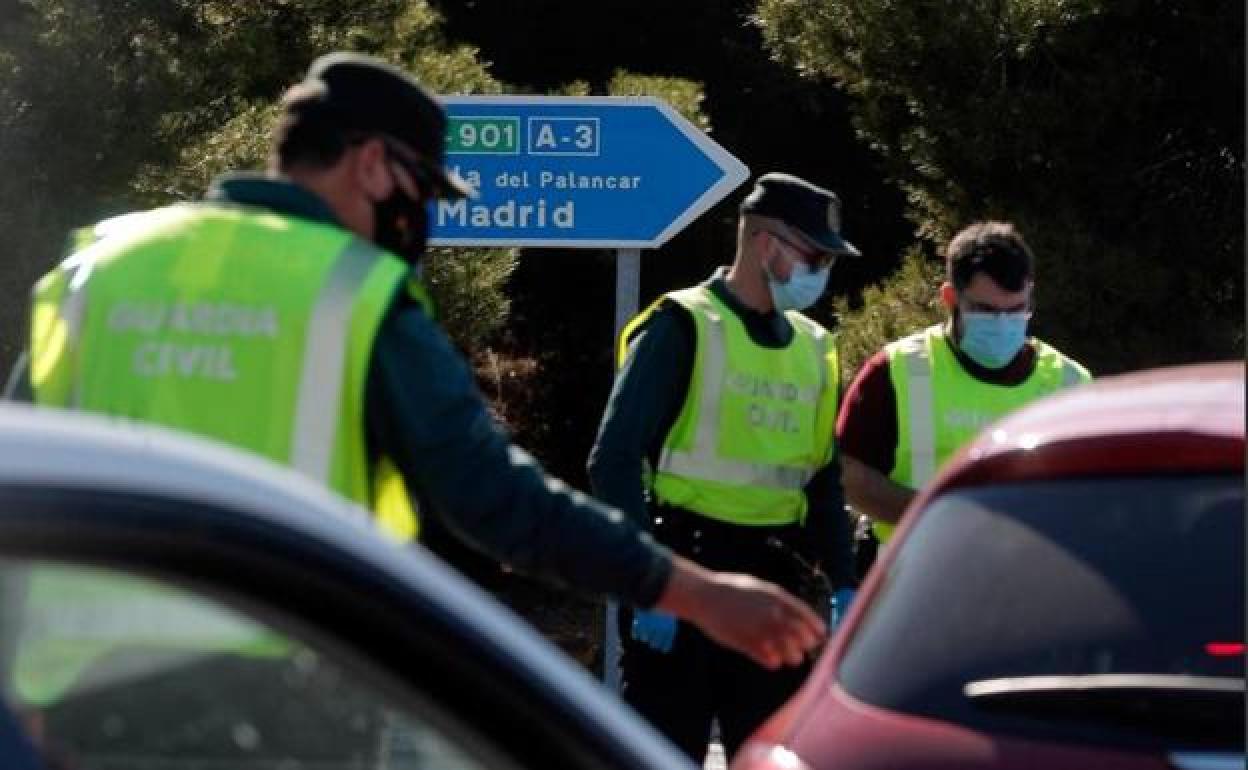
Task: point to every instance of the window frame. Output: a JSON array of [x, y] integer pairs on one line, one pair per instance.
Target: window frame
[[337, 595]]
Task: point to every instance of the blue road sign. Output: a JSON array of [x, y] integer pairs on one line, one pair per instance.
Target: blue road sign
[[577, 172]]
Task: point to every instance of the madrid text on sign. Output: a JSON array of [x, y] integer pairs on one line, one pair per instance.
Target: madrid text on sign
[[592, 172]]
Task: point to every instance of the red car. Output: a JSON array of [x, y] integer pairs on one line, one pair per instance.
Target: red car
[[1068, 593]]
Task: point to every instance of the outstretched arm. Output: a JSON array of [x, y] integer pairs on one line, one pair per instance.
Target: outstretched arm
[[743, 613], [425, 413]]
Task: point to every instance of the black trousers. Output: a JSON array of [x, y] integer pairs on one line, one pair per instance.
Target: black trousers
[[681, 691]]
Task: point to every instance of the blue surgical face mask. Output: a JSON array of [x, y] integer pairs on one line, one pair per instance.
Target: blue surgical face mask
[[804, 287], [993, 339]]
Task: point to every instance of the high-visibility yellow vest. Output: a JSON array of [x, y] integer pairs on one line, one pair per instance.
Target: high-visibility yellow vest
[[940, 407], [756, 423], [235, 323]]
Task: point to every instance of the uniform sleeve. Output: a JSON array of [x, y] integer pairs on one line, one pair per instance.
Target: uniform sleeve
[[648, 394], [424, 411], [866, 428]]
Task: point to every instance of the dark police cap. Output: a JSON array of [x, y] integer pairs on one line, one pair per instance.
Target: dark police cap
[[815, 213], [368, 95]]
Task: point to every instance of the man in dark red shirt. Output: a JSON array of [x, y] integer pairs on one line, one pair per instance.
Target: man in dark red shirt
[[917, 401]]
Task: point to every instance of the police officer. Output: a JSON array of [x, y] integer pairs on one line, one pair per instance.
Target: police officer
[[283, 315], [917, 401], [718, 435]]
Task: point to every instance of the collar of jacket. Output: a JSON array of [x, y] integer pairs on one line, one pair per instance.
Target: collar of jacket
[[276, 193]]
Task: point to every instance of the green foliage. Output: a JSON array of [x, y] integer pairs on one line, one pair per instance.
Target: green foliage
[[1110, 131], [906, 302], [684, 95], [108, 105], [468, 288], [406, 34], [467, 285], [575, 88], [242, 142]]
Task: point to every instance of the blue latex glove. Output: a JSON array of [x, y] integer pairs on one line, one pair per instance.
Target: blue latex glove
[[654, 629], [840, 605]]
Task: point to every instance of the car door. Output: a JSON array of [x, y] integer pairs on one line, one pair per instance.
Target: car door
[[165, 605]]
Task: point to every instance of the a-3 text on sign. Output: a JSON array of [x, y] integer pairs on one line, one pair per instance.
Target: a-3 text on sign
[[577, 172]]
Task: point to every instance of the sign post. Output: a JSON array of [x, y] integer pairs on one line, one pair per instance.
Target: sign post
[[627, 291], [623, 173]]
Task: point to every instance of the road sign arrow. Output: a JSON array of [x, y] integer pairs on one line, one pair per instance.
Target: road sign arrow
[[578, 172]]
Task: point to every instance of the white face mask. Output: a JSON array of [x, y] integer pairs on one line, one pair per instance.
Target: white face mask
[[803, 289]]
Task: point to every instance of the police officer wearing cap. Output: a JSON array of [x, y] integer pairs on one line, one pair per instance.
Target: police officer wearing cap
[[718, 436], [285, 315]]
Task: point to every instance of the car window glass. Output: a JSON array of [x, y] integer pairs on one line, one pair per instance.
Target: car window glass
[[1077, 578], [107, 670]]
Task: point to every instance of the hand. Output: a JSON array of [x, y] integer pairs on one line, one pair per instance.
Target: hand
[[654, 629], [840, 605], [753, 617]]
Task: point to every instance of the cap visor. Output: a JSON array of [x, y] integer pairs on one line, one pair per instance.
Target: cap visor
[[830, 242]]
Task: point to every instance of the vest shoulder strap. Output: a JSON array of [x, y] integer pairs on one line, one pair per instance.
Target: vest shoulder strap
[[910, 359], [914, 342], [916, 350], [630, 330], [804, 324], [1072, 372], [133, 222], [825, 343], [325, 358], [695, 299]]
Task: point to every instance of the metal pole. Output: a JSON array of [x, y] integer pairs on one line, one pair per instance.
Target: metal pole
[[627, 291], [627, 287]]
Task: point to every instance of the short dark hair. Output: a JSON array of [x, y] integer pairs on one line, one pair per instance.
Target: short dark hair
[[308, 135], [994, 248]]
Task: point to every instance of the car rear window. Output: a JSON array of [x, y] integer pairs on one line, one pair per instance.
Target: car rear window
[[1099, 610]]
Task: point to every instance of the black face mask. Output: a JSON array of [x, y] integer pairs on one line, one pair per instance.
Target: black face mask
[[402, 226]]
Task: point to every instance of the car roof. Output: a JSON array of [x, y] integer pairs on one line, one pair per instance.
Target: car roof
[[1176, 419], [47, 448]]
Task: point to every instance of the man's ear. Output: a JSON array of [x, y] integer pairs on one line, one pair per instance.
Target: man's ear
[[948, 296], [368, 169], [764, 248]]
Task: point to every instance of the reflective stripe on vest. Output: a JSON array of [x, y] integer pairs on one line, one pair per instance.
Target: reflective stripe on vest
[[926, 440], [704, 470], [703, 462], [73, 310], [922, 425], [324, 355]]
